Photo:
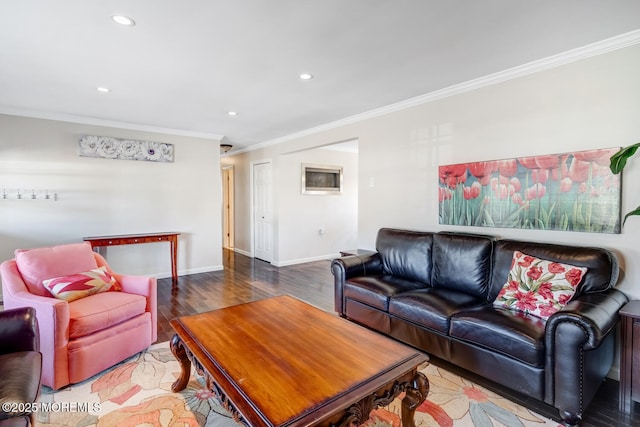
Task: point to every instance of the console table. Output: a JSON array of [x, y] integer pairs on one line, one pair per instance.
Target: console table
[[629, 356], [131, 239]]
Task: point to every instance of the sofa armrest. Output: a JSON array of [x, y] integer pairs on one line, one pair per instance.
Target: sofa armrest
[[19, 330], [352, 266], [594, 316], [580, 350]]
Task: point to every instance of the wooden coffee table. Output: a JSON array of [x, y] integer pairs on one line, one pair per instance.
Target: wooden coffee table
[[282, 362]]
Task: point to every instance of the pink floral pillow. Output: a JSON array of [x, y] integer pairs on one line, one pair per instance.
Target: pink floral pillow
[[80, 285], [538, 286]]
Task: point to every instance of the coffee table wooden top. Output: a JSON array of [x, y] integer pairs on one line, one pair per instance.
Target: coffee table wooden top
[[284, 362]]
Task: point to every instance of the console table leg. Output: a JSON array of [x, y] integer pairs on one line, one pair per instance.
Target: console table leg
[[174, 261], [180, 353], [415, 394]]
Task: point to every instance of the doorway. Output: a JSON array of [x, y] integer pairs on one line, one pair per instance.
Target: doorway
[[228, 207]]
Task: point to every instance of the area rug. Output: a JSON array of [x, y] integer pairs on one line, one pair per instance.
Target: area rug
[[137, 392]]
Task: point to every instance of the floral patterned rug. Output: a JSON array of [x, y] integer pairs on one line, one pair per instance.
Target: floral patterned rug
[[137, 392]]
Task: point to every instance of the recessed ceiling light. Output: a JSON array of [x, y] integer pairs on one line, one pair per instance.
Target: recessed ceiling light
[[305, 76], [123, 20], [232, 113], [103, 89]]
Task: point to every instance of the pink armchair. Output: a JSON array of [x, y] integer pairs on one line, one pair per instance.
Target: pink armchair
[[81, 338]]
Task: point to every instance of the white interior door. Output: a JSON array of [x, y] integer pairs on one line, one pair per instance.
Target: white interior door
[[263, 211]]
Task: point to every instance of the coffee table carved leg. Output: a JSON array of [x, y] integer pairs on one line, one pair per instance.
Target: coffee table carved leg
[[416, 389], [180, 352], [415, 394]]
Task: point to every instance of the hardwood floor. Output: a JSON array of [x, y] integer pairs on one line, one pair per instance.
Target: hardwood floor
[[245, 279]]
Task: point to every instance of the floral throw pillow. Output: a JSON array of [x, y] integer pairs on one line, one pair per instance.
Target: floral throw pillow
[[538, 287], [80, 285]]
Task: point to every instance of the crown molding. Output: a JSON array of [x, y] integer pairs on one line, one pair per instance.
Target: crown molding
[[106, 123], [584, 52]]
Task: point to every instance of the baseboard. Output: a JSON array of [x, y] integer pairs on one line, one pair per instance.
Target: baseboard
[[303, 260], [201, 270], [167, 275], [242, 252], [614, 373]]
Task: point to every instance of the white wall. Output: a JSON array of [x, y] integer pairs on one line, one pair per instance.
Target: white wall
[[301, 216], [588, 104], [102, 196]]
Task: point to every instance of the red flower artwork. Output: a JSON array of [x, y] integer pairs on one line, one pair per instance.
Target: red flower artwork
[[453, 175], [482, 171], [570, 192], [472, 192], [507, 168], [548, 162]]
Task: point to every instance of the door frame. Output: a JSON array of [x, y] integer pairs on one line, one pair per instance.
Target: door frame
[[228, 208]]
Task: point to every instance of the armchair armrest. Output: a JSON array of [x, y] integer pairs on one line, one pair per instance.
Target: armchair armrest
[[49, 311], [148, 288], [52, 318], [19, 330], [139, 285], [352, 266]]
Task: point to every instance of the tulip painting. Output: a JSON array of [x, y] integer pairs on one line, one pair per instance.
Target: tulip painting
[[569, 192]]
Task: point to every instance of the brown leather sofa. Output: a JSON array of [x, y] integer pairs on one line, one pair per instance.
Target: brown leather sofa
[[435, 291], [20, 366]]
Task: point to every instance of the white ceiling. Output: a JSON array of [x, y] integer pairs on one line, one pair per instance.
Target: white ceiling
[[186, 63]]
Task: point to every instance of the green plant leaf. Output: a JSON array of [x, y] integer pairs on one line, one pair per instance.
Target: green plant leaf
[[619, 160], [636, 211]]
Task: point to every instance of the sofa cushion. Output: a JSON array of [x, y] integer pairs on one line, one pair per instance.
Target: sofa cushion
[[376, 290], [100, 311], [80, 285], [431, 307], [537, 286], [462, 262], [405, 253], [20, 373], [602, 264], [37, 265], [512, 333]]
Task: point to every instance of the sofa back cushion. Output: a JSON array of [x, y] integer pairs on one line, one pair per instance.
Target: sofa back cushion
[[462, 262], [37, 265], [601, 264], [406, 253]]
